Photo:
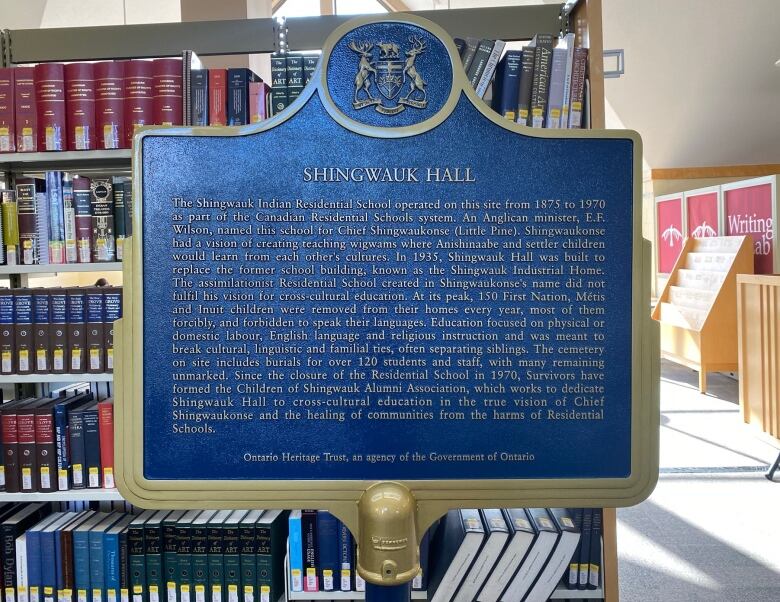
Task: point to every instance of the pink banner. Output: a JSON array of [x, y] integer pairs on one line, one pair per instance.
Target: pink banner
[[702, 215], [749, 211], [670, 233]]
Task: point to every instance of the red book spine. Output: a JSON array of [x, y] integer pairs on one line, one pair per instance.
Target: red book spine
[[50, 99], [25, 428], [167, 92], [217, 96], [7, 127], [10, 439], [106, 435], [80, 106], [45, 450], [25, 110], [109, 104], [138, 97]]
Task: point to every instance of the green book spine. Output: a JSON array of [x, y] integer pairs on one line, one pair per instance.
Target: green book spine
[[135, 552], [278, 549], [184, 562], [154, 567], [264, 563], [170, 561], [232, 562], [200, 562], [248, 554], [216, 564], [279, 91]]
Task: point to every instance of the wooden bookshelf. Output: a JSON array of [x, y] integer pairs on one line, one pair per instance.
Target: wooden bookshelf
[[698, 306]]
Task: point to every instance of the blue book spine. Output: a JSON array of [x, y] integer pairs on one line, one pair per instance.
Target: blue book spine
[[56, 216], [58, 561], [345, 557], [48, 567], [81, 572], [63, 449], [510, 84], [199, 96], [34, 565], [96, 580], [92, 447], [77, 458], [238, 96], [111, 565], [7, 347], [42, 319], [296, 551], [330, 549]]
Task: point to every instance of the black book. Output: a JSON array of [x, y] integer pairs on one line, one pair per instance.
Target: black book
[[11, 528], [526, 83], [572, 577], [294, 76], [102, 210], [238, 94], [78, 458], [136, 558], [467, 56], [120, 229], [540, 87], [92, 446], [153, 550], [594, 562], [456, 544], [128, 207], [480, 60], [460, 44], [199, 96], [7, 345], [583, 559], [310, 550], [560, 557], [279, 94]]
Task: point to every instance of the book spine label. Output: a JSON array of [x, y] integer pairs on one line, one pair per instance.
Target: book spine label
[[25, 110], [217, 96], [23, 331], [138, 109], [80, 106], [102, 210], [109, 104], [27, 207], [199, 96], [50, 100], [106, 435], [42, 320], [56, 210], [167, 90], [7, 120], [279, 92], [7, 345]]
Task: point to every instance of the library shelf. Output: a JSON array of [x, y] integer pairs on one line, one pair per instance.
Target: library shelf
[[6, 379], [112, 266], [71, 495], [416, 595], [66, 160]]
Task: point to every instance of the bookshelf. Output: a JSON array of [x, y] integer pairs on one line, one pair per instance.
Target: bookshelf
[[207, 38], [698, 306], [71, 495], [114, 266], [55, 378]]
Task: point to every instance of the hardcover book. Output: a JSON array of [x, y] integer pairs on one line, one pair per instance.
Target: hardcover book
[[345, 558], [536, 558], [58, 324], [507, 84], [69, 216], [248, 554], [578, 76], [496, 536], [45, 449], [217, 89], [481, 57], [238, 81], [25, 110], [82, 216], [294, 76], [120, 229], [567, 42], [56, 211], [458, 540], [170, 546], [109, 104], [97, 568], [199, 96], [215, 550], [10, 443], [27, 207], [469, 52], [139, 102], [296, 551], [80, 106], [62, 436], [33, 545], [329, 549], [50, 101], [271, 533], [41, 320], [199, 549], [112, 558], [25, 425], [557, 83], [309, 66], [167, 90], [92, 446], [526, 83], [11, 528], [10, 227], [559, 558], [7, 344], [76, 356], [231, 550], [102, 211], [105, 410], [136, 560], [96, 317], [7, 121], [184, 530], [311, 581], [594, 558], [279, 92], [258, 92], [490, 68], [540, 88], [24, 331], [522, 536], [153, 546]]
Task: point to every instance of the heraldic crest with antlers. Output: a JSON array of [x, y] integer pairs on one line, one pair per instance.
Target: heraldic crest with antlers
[[389, 75]]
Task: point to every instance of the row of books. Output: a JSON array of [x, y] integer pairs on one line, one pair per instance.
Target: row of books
[[57, 443], [220, 556], [542, 85], [235, 96], [65, 218], [58, 330], [289, 74]]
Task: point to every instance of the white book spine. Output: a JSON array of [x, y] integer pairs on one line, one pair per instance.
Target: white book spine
[[568, 40], [490, 68], [21, 568]]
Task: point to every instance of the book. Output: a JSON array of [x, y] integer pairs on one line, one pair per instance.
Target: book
[[25, 429], [167, 103], [82, 216], [460, 44], [170, 546], [470, 50], [97, 567], [69, 219], [76, 355], [311, 581], [50, 103], [10, 228], [578, 76], [238, 80], [96, 318], [521, 538], [184, 529], [109, 104], [199, 549], [120, 230], [217, 96], [557, 82], [294, 76], [92, 446], [248, 555], [309, 66], [11, 528], [594, 558], [80, 106], [420, 581], [559, 558], [583, 558], [567, 42], [27, 209], [484, 49], [41, 319], [526, 84], [139, 102], [33, 545], [457, 542], [296, 551], [271, 533], [571, 577], [153, 552], [329, 550], [62, 436], [105, 411], [199, 96], [258, 91], [7, 122], [80, 536], [56, 234], [78, 458], [25, 110], [112, 301], [231, 556], [10, 443], [24, 337], [540, 87], [345, 558], [136, 560], [113, 562], [45, 449], [496, 537], [490, 68], [215, 560], [101, 207], [279, 92], [20, 556], [42, 225], [507, 87], [7, 338], [536, 558]]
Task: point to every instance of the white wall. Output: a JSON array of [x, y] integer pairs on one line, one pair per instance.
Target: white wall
[[33, 14]]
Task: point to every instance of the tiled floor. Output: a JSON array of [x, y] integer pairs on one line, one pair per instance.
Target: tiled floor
[[711, 529]]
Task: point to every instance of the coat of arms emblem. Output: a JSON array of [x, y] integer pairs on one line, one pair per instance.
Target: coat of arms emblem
[[380, 82]]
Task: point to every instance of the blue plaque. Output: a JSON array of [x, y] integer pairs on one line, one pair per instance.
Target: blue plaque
[[387, 282]]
